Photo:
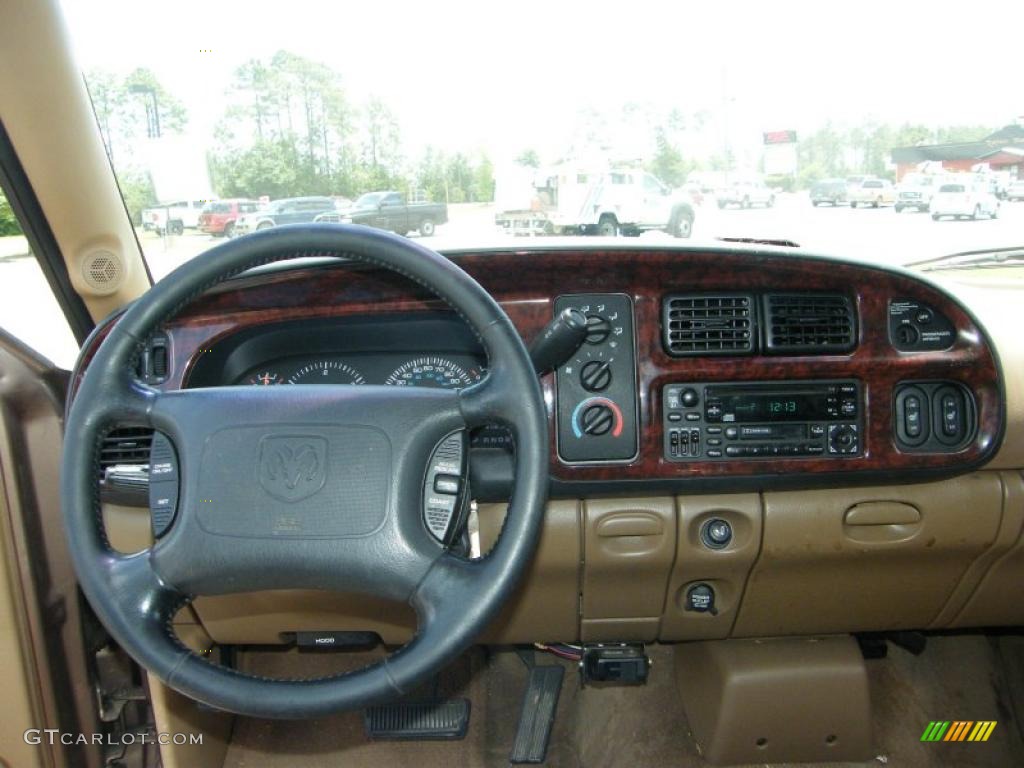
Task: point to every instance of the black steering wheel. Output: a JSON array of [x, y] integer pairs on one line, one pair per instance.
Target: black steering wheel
[[361, 530]]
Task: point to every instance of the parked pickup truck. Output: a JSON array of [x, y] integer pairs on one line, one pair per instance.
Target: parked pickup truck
[[173, 218], [389, 210]]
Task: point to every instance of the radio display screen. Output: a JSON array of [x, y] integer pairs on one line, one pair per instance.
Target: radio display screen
[[746, 407]]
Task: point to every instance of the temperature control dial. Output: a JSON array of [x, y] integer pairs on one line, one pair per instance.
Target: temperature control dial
[[597, 416]]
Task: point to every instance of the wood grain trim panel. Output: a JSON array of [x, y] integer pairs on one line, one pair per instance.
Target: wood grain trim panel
[[527, 281]]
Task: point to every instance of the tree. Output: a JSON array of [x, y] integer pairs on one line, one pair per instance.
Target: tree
[[171, 112], [528, 158], [668, 163], [8, 223]]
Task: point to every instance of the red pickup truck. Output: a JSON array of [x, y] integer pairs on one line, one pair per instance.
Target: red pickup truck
[[218, 218]]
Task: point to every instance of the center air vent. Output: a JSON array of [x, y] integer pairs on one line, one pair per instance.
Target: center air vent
[[709, 324], [809, 323]]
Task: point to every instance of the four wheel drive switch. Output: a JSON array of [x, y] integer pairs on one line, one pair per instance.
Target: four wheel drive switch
[[444, 497], [163, 484]]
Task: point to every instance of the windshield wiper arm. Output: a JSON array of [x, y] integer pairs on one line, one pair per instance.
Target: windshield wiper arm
[[985, 258]]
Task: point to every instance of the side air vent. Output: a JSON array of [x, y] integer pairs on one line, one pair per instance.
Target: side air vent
[[124, 466], [709, 324], [809, 323]]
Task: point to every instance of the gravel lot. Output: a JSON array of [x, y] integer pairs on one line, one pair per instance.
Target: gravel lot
[[28, 310]]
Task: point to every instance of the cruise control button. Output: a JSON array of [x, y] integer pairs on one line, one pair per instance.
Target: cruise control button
[[446, 484]]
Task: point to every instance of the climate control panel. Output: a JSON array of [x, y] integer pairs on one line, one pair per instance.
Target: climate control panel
[[596, 388]]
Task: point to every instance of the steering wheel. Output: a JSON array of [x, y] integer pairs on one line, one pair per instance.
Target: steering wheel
[[362, 529]]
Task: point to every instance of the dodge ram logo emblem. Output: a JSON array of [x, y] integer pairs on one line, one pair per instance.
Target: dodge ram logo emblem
[[293, 468]]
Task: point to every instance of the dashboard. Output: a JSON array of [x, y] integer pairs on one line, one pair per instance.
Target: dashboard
[[829, 415], [702, 369]]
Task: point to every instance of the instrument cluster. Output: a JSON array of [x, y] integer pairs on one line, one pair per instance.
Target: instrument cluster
[[451, 371]]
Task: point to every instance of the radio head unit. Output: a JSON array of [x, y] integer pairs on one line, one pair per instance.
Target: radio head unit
[[762, 420]]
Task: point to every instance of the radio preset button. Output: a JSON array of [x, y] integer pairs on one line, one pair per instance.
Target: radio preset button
[[693, 416], [732, 432], [714, 453], [675, 416]]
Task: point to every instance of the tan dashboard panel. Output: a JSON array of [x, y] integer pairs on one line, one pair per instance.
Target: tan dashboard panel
[[821, 570], [265, 618], [629, 546], [544, 607], [725, 570], [996, 601], [997, 306]]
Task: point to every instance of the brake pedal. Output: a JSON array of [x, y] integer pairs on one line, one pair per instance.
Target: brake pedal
[[538, 714], [419, 721]]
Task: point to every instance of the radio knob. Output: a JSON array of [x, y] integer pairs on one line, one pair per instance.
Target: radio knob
[[597, 420], [689, 398], [843, 439], [596, 375], [598, 329]]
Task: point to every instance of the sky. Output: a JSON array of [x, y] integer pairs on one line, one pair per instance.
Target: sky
[[506, 76]]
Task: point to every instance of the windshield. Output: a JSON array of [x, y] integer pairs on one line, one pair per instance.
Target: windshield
[[491, 127], [370, 200]]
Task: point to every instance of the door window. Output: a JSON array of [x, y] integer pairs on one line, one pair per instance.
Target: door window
[[28, 309]]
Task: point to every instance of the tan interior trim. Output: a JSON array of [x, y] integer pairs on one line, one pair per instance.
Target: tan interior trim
[[23, 705], [51, 123]]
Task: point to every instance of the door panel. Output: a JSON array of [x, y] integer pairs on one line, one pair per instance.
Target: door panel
[[44, 671]]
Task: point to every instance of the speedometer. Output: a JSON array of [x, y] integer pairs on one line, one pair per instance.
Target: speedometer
[[433, 371], [326, 372]]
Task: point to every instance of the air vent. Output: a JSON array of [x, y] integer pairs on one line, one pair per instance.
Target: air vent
[[709, 324], [125, 446], [809, 323]]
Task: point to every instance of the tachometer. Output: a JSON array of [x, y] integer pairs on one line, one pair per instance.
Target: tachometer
[[433, 371], [326, 372]]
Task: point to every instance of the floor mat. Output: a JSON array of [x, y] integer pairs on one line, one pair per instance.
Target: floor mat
[[968, 677]]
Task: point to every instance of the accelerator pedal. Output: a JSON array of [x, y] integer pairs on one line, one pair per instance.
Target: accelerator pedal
[[537, 715], [418, 721]]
